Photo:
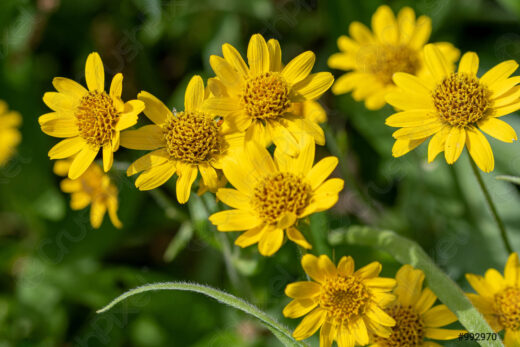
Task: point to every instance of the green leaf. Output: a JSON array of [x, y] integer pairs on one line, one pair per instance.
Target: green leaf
[[409, 252], [281, 332], [512, 179], [179, 241]]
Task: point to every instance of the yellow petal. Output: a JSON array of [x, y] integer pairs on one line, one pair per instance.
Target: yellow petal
[[410, 118], [260, 158], [226, 73], [82, 161], [469, 64], [194, 94], [148, 137], [369, 271], [154, 109], [108, 156], [132, 109], [235, 220], [384, 25], [436, 62], [310, 324], [438, 316], [406, 24], [412, 84], [480, 285], [507, 98], [421, 35], [67, 148], [222, 105], [297, 237], [258, 55], [380, 283], [455, 141], [503, 86], [299, 68], [155, 176], [443, 334], [305, 158], [61, 127], [95, 73], [409, 102], [437, 143], [311, 267], [507, 109], [346, 266], [347, 82], [282, 138], [512, 338], [327, 334], [342, 61], [209, 175], [360, 332], [419, 132], [187, 174], [326, 266], [97, 212], [80, 200], [298, 308], [69, 87], [313, 86], [148, 161], [116, 87], [495, 280], [270, 242], [401, 147], [498, 129], [512, 270], [319, 173], [275, 55], [499, 72], [360, 33], [409, 285], [235, 59], [379, 316], [345, 337], [233, 198], [112, 213], [250, 237], [425, 301], [346, 44], [60, 102]]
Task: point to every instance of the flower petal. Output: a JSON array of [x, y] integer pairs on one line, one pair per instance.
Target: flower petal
[[61, 127], [455, 141], [480, 150], [108, 156], [270, 242], [154, 109], [235, 59], [251, 236], [116, 87], [297, 237], [385, 26], [148, 161], [233, 198], [410, 118], [155, 176], [499, 72], [437, 143], [148, 137], [82, 161], [299, 307], [299, 68], [235, 220], [319, 172], [469, 64], [187, 174], [194, 94], [498, 129], [95, 73], [67, 148], [310, 324], [421, 35], [419, 132], [313, 86], [438, 316], [369, 271], [275, 55], [69, 87], [258, 55], [436, 62]]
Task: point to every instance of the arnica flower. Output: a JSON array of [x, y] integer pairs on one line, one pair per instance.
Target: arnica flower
[[454, 107], [372, 58], [182, 142], [347, 305], [92, 188], [272, 195], [498, 299], [10, 136], [89, 120], [258, 98], [414, 315]]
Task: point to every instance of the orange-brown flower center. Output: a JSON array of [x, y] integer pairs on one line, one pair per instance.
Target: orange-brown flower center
[[507, 306], [266, 96], [280, 193], [192, 137], [96, 118], [461, 100], [344, 297], [409, 330], [384, 60]]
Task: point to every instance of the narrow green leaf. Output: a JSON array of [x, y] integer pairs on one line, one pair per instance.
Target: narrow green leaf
[[512, 179], [409, 252], [179, 241], [280, 331]]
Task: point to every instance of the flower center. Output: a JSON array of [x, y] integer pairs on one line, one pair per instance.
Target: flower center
[[507, 304], [408, 330], [344, 297], [461, 100], [97, 118], [385, 60], [266, 96], [191, 137], [280, 193]]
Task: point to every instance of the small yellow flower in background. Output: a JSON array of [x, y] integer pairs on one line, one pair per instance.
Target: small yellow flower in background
[[372, 58], [498, 299], [347, 305], [10, 136], [415, 317], [93, 188], [184, 143], [271, 196], [257, 97], [454, 107], [89, 120]]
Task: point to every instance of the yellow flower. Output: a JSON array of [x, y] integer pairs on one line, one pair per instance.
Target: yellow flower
[[271, 196], [372, 58], [88, 119], [454, 107], [415, 317], [258, 98], [348, 306], [10, 137], [184, 143], [93, 188], [498, 299]]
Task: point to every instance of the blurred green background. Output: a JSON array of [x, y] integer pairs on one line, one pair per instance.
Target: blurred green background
[[55, 271]]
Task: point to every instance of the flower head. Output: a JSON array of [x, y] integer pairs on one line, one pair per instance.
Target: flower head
[[272, 195], [89, 120], [10, 136], [347, 305], [498, 299], [454, 107], [258, 98], [92, 188], [186, 142], [395, 45], [414, 315]]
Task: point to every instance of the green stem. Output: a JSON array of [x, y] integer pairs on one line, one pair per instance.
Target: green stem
[[492, 207], [169, 207]]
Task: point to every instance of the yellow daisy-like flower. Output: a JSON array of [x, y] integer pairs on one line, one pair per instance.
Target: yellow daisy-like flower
[[272, 195], [10, 136], [89, 120], [372, 58], [347, 305], [184, 143], [258, 98], [92, 188], [454, 107], [414, 315], [498, 299]]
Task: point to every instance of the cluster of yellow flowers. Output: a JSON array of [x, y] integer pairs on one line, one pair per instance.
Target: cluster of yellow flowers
[[228, 124]]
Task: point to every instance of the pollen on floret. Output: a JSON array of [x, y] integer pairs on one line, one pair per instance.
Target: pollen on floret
[[97, 118], [344, 297], [266, 96], [507, 305], [409, 329], [384, 60]]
